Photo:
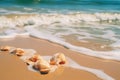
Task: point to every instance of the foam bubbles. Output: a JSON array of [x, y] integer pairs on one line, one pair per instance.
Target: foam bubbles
[[83, 26], [97, 72], [70, 63], [116, 44], [72, 18], [11, 33], [114, 54]]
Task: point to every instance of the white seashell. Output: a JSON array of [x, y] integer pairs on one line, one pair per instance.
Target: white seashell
[[43, 66], [33, 59], [18, 52], [57, 59]]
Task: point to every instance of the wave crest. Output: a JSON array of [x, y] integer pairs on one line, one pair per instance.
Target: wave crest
[[73, 18]]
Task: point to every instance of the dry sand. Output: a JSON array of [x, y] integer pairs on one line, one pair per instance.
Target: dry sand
[[12, 68]]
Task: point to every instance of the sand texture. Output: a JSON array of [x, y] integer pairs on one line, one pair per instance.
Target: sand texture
[[13, 68]]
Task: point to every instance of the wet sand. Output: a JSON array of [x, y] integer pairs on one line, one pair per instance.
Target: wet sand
[[13, 68]]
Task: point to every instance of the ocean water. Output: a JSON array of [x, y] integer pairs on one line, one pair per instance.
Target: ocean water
[[90, 27]]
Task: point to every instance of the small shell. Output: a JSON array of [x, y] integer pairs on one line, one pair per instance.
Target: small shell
[[44, 71], [58, 58], [18, 52], [43, 66], [33, 59], [5, 48]]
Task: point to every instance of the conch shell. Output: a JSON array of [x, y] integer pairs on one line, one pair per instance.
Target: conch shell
[[5, 48], [42, 65], [58, 59], [33, 59], [18, 52]]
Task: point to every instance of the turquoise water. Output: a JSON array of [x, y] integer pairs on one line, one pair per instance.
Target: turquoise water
[[63, 5]]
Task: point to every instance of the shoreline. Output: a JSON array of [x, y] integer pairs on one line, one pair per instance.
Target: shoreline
[[44, 47]]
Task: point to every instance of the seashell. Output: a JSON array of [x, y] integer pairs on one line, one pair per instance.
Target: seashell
[[18, 52], [33, 59], [57, 59], [44, 71], [53, 61], [5, 48], [43, 66]]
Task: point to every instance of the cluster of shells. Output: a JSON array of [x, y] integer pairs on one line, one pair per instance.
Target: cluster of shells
[[37, 61]]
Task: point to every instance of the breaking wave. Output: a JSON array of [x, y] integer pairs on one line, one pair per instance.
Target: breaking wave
[[47, 19], [53, 26]]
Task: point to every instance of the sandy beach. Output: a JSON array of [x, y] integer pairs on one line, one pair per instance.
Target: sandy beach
[[13, 68], [59, 39]]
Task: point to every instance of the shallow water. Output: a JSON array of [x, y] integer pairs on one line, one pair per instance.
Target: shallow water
[[92, 30], [70, 63], [96, 35]]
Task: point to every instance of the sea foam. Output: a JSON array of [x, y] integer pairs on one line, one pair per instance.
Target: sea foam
[[71, 18], [114, 54], [70, 63], [54, 26]]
